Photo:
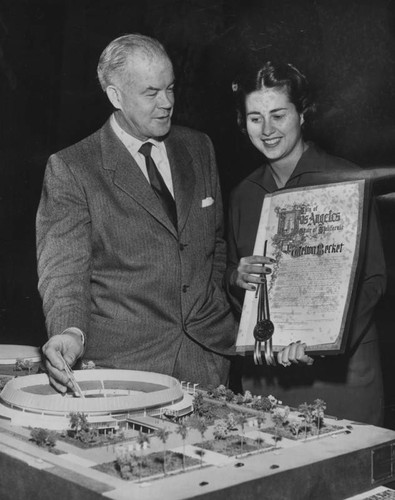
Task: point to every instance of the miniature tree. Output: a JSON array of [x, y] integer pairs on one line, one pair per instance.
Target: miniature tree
[[43, 437], [122, 460], [90, 435], [319, 407], [278, 422], [183, 430], [89, 365], [199, 405], [239, 399], [306, 411], [242, 420], [221, 430], [200, 453], [78, 424], [28, 365], [143, 440], [229, 395], [163, 435], [247, 398], [261, 403], [202, 426], [259, 441], [261, 418], [231, 422], [51, 439], [219, 392], [294, 427], [198, 402], [20, 364], [280, 419], [126, 462], [201, 408], [210, 390], [273, 401]]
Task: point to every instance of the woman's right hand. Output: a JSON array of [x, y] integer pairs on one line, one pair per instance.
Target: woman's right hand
[[251, 270]]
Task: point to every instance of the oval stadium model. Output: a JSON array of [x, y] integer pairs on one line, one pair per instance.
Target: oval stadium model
[[105, 393]]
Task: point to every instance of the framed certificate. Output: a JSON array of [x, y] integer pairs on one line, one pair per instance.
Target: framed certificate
[[315, 234]]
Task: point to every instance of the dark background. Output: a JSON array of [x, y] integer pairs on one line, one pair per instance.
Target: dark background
[[50, 98]]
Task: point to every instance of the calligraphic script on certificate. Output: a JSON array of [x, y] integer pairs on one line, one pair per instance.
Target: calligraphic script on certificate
[[314, 235]]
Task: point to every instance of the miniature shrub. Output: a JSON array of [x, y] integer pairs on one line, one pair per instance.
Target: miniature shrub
[[43, 437], [221, 430]]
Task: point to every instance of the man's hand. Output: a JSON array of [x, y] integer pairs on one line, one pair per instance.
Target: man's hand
[[251, 270], [294, 353], [69, 345]]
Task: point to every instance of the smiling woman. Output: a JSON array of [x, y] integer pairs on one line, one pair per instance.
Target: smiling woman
[[271, 107], [273, 104], [274, 128]]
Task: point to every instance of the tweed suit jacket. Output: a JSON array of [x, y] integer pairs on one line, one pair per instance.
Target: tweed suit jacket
[[111, 263]]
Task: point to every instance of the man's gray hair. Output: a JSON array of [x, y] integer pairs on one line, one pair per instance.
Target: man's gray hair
[[114, 57]]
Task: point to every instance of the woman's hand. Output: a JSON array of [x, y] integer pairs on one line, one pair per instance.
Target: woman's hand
[[294, 353], [251, 270]]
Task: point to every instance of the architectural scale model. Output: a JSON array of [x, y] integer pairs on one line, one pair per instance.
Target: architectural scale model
[[226, 448], [108, 395]]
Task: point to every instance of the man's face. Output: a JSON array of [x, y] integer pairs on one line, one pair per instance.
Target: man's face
[[145, 96]]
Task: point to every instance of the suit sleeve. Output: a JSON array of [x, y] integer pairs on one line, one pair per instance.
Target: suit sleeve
[[235, 293], [63, 231], [219, 261]]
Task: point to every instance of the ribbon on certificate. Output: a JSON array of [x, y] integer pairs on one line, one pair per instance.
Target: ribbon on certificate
[[264, 328]]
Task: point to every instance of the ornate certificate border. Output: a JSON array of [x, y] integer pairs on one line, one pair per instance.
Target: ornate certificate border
[[314, 233]]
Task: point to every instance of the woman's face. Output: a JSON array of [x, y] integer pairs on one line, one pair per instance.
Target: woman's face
[[274, 125]]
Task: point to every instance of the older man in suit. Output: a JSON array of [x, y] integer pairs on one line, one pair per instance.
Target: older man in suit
[[129, 235]]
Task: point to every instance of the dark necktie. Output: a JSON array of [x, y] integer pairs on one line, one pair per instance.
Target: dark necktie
[[158, 184]]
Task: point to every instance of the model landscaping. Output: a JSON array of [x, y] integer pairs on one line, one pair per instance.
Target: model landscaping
[[222, 421], [146, 435], [218, 421]]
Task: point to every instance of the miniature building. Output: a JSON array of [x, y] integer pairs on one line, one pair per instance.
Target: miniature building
[[107, 394]]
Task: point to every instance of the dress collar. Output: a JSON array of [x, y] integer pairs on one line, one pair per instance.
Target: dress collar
[[311, 161]]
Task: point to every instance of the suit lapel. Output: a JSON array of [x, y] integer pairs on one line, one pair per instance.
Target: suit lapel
[[128, 176], [183, 177]]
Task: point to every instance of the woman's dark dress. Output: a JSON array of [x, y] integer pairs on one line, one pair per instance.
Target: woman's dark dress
[[350, 384]]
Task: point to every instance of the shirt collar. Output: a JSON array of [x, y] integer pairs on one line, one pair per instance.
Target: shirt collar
[[130, 142]]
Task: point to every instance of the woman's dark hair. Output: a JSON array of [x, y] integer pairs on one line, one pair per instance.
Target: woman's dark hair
[[272, 75]]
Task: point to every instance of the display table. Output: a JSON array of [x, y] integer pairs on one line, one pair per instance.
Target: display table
[[349, 459], [332, 467]]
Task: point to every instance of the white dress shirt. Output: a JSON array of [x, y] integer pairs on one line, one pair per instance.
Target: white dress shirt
[[158, 153]]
